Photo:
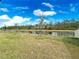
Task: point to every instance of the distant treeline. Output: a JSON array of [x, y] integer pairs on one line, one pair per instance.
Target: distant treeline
[[64, 25]]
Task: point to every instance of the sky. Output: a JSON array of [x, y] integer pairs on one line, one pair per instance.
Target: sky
[[28, 12]]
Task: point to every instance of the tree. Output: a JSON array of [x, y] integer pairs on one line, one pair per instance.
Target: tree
[[5, 27], [16, 26], [41, 22]]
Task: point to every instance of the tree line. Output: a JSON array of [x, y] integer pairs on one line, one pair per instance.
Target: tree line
[[64, 25]]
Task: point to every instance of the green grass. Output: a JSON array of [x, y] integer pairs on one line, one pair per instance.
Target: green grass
[[29, 46]]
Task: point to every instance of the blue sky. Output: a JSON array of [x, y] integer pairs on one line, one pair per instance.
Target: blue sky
[[27, 12]]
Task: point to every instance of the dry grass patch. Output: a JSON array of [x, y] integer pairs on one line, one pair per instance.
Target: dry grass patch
[[29, 46]]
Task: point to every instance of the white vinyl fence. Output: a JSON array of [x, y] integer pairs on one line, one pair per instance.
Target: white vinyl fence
[[77, 33], [63, 34]]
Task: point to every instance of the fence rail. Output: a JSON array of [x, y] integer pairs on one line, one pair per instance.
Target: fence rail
[[51, 32]]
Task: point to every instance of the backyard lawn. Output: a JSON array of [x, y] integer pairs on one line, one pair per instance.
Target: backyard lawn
[[31, 46]]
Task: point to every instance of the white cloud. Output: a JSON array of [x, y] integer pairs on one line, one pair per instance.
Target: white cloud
[[64, 12], [4, 9], [72, 7], [5, 4], [14, 20], [19, 8], [4, 17], [49, 13], [48, 5], [39, 12], [18, 19], [38, 20]]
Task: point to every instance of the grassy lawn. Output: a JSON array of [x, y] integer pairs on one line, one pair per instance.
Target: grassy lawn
[[29, 46]]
